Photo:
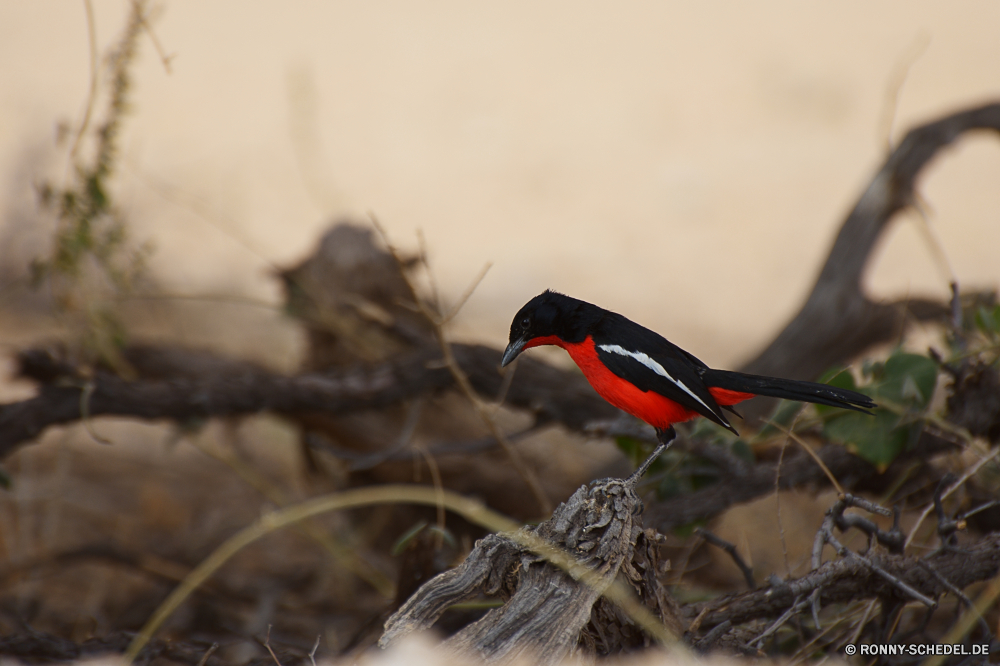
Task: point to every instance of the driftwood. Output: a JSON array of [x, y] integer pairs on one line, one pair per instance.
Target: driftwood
[[549, 614]]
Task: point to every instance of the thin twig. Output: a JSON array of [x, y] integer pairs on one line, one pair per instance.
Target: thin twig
[[934, 243], [796, 606], [846, 552], [819, 461], [164, 58], [467, 293], [208, 653], [969, 473], [708, 640], [92, 94], [312, 653], [508, 379], [731, 549], [267, 644], [525, 472], [777, 498], [925, 565]]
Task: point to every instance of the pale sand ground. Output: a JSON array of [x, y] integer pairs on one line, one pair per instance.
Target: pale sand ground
[[684, 163]]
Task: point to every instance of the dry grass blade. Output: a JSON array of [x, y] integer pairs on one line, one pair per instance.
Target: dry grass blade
[[482, 411], [819, 461], [900, 72], [343, 555], [470, 509], [88, 424], [439, 489], [468, 292], [970, 618]]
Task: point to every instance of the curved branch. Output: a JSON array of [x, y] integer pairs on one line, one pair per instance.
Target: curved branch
[[838, 321]]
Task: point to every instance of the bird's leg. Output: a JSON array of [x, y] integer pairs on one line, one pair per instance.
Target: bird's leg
[[665, 437]]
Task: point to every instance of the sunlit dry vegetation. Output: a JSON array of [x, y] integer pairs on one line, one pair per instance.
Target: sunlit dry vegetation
[[177, 504]]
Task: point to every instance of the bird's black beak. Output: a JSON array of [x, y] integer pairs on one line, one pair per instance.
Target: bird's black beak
[[513, 349]]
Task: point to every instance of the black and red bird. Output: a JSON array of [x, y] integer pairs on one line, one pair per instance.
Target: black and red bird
[[646, 375]]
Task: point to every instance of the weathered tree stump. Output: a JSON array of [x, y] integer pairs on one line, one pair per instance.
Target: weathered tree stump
[[548, 613]]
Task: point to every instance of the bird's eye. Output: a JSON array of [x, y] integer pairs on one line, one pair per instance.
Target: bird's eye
[[526, 322]]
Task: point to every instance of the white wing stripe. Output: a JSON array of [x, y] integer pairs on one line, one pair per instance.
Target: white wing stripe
[[655, 367]]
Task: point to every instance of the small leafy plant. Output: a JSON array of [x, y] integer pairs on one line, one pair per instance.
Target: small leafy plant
[[92, 265]]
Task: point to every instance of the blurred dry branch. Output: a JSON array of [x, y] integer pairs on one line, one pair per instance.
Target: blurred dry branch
[[839, 321], [185, 384]]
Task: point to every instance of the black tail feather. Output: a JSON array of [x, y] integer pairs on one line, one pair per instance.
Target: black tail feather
[[728, 408], [790, 389]]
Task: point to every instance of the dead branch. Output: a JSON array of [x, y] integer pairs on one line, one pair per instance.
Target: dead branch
[[838, 321], [796, 470], [729, 549], [232, 388], [181, 385], [835, 518], [846, 580]]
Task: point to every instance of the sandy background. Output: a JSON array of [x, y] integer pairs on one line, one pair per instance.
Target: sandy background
[[686, 164]]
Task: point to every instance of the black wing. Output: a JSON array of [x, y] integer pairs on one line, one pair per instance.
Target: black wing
[[652, 363]]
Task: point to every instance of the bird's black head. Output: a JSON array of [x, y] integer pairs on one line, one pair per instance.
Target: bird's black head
[[549, 319]]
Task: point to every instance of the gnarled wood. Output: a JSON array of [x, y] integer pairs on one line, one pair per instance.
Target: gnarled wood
[[546, 611]]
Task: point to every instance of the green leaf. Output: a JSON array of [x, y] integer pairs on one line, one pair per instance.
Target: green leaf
[[403, 541], [988, 319], [903, 379], [907, 379], [878, 439]]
